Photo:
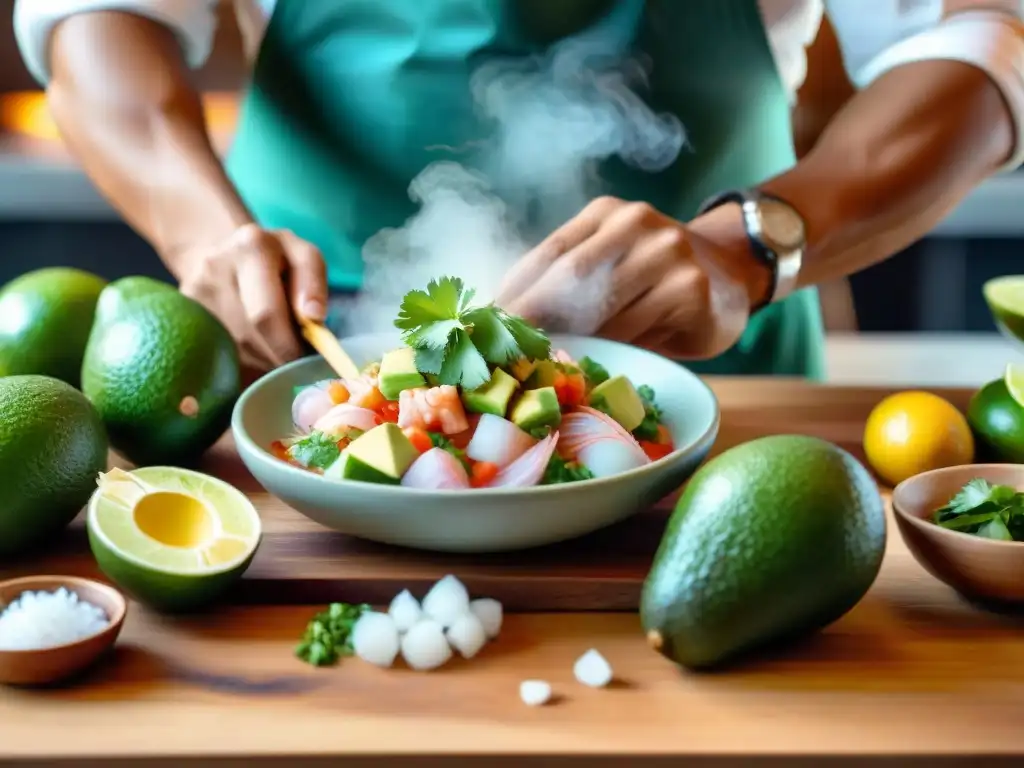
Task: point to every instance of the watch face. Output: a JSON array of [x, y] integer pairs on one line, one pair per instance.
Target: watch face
[[781, 224]]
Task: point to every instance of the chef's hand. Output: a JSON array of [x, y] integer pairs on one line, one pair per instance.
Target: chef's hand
[[255, 282], [625, 271]]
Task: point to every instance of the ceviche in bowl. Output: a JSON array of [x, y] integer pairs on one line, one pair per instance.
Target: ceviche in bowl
[[469, 429]]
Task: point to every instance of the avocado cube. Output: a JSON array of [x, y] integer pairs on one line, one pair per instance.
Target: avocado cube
[[619, 399], [381, 455], [537, 408], [543, 375], [522, 368], [398, 372], [494, 396]]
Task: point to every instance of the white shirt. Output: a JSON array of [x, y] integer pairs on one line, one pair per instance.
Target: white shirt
[[875, 35]]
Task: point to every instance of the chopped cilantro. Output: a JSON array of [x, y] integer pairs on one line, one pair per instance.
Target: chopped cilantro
[[328, 635], [456, 341], [648, 429], [594, 371], [316, 450], [442, 442], [561, 471], [986, 510]]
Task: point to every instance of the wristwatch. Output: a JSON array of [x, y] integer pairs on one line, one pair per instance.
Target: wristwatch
[[777, 235]]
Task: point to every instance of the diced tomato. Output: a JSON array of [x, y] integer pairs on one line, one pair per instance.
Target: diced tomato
[[280, 450], [374, 400], [461, 439], [420, 439], [570, 388], [388, 411], [664, 437], [655, 451], [338, 392], [482, 473]]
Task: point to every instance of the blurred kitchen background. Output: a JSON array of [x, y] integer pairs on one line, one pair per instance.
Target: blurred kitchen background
[[930, 294]]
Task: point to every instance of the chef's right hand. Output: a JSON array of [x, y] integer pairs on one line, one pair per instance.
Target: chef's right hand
[[255, 282]]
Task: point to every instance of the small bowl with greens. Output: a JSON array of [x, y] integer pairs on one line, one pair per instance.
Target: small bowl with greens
[[965, 526]]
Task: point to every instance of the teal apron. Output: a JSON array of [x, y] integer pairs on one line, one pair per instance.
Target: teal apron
[[351, 98]]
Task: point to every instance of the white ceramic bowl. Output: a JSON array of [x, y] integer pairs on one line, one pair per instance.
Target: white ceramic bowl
[[479, 520]]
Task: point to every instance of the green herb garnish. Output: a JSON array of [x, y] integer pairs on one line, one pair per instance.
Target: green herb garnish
[[457, 341], [648, 429], [328, 635], [986, 510], [539, 433], [316, 450], [561, 471], [594, 371], [442, 442]]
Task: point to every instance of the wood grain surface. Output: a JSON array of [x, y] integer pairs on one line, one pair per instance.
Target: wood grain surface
[[300, 562], [911, 670]]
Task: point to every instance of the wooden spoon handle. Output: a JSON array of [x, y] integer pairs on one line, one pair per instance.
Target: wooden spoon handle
[[325, 342]]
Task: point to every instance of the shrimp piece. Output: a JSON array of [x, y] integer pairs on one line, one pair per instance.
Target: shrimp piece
[[363, 392], [430, 409]]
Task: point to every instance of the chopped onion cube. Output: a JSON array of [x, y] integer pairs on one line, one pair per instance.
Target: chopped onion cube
[[375, 639], [405, 610], [592, 669], [467, 635], [535, 693], [446, 601], [489, 612], [425, 647]]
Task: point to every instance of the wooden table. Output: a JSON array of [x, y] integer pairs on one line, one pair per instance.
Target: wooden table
[[911, 670]]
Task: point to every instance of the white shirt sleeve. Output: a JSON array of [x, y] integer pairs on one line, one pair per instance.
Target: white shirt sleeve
[[886, 35], [193, 21]]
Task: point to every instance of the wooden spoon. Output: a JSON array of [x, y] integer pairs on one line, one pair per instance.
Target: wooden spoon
[[327, 344]]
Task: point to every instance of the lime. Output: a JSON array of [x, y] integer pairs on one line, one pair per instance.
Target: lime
[[1014, 379], [912, 432], [1005, 299], [173, 538], [998, 423]]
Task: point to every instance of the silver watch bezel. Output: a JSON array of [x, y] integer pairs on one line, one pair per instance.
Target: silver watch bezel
[[788, 252]]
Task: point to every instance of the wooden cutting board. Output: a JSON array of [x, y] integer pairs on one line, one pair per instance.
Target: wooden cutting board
[[300, 562]]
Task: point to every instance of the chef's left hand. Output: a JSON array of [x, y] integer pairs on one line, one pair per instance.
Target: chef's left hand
[[625, 271]]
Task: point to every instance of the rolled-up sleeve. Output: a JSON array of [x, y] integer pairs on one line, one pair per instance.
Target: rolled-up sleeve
[[193, 21], [877, 37]]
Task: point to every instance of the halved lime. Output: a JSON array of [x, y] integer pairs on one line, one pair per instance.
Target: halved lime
[[1005, 299], [1014, 378], [172, 538]]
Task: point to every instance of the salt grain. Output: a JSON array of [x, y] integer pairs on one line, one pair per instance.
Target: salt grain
[[36, 620]]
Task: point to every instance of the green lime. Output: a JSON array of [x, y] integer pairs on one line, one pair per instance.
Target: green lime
[[1005, 299], [173, 538], [52, 446], [997, 420], [47, 315]]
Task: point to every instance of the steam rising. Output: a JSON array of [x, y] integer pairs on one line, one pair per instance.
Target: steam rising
[[554, 118]]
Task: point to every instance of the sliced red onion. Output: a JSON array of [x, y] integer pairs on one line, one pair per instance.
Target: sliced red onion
[[436, 469], [498, 441], [586, 426], [528, 469], [609, 456], [310, 405], [344, 417]]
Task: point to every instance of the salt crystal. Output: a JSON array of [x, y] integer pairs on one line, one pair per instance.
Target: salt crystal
[[36, 620]]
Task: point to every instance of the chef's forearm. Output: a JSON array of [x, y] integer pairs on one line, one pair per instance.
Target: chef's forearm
[[893, 162], [122, 101]]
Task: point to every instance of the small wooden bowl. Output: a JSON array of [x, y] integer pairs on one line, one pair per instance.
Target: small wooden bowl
[[983, 570], [49, 665]]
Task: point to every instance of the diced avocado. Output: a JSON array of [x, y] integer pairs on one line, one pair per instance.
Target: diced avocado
[[398, 372], [619, 399], [381, 455], [537, 408], [522, 368], [494, 396], [543, 375]]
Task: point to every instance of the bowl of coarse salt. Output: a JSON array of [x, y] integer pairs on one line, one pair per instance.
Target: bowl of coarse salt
[[52, 627]]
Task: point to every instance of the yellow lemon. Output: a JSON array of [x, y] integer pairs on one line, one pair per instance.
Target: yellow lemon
[[912, 432]]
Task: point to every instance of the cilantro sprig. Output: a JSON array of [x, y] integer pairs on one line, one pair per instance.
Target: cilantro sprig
[[561, 471], [648, 429], [457, 341], [328, 635], [986, 510], [316, 450]]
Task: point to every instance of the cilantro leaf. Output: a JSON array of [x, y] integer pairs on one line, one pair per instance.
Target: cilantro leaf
[[316, 450], [492, 337], [442, 442], [561, 471], [594, 372], [328, 635], [463, 364], [444, 299], [648, 429], [533, 342], [985, 510]]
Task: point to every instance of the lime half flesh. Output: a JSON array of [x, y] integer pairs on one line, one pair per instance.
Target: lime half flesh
[[1014, 378], [1005, 299], [172, 538]]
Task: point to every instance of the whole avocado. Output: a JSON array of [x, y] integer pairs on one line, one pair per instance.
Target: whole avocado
[[52, 448], [47, 317], [772, 539], [161, 370]]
